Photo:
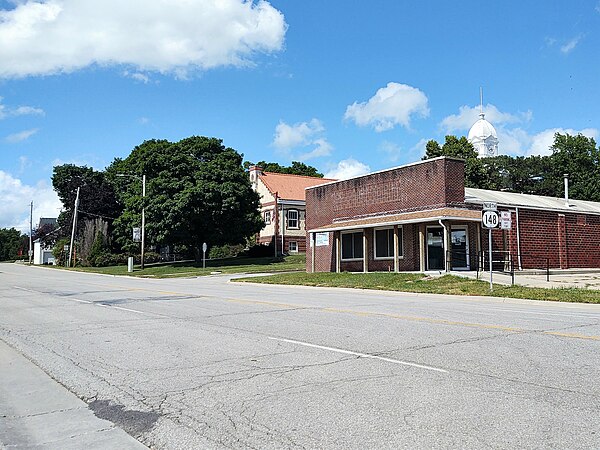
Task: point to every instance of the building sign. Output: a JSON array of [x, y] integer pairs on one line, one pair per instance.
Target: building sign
[[321, 239], [505, 220]]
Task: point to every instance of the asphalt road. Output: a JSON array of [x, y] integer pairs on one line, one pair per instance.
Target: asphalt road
[[208, 363]]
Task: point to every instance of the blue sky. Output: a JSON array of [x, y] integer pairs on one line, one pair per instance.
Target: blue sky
[[347, 86]]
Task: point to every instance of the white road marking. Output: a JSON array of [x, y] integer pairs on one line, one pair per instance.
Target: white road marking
[[80, 301], [135, 311], [26, 290], [360, 355]]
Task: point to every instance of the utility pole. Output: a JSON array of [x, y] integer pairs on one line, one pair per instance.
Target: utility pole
[[74, 226], [143, 219], [30, 252]]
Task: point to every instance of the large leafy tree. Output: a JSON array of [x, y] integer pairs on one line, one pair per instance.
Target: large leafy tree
[[196, 191], [96, 197], [297, 168], [11, 242], [578, 157]]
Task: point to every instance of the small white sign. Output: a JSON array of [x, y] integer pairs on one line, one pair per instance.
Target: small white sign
[[321, 239], [137, 234], [204, 247], [490, 219], [490, 206], [505, 224], [66, 247], [505, 215]]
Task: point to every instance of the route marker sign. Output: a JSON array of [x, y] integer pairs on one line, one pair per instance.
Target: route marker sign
[[490, 219]]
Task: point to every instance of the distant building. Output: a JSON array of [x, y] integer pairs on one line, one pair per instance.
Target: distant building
[[484, 138], [42, 254], [483, 135], [283, 208]]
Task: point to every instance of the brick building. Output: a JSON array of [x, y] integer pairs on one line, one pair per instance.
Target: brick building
[[282, 205], [420, 217]]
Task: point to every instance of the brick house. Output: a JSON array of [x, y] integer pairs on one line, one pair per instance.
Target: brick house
[[283, 207], [420, 217]]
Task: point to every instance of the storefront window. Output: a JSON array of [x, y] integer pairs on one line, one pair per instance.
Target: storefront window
[[352, 245]]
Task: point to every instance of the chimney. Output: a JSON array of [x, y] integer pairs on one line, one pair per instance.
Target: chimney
[[254, 172], [566, 175]]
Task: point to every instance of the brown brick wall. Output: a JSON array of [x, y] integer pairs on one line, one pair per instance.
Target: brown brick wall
[[566, 240], [430, 184]]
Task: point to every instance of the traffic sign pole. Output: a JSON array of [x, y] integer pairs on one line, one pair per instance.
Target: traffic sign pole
[[490, 246], [490, 219]]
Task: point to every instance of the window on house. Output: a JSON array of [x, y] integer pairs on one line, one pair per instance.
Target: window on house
[[292, 219], [293, 247], [352, 245], [267, 217], [384, 243]]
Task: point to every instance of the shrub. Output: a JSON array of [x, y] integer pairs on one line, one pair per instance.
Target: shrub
[[225, 251]]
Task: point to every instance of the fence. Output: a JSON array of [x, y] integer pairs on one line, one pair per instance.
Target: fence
[[502, 262]]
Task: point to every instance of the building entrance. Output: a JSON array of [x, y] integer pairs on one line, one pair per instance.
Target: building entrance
[[435, 248], [459, 249]]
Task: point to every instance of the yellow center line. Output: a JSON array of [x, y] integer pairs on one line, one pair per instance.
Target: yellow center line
[[376, 314]]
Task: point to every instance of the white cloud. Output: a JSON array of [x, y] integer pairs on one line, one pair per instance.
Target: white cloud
[[518, 142], [392, 105], [21, 136], [570, 45], [598, 7], [19, 111], [299, 134], [143, 120], [41, 37], [24, 163], [468, 115], [323, 148], [137, 76], [348, 168], [302, 134], [16, 198]]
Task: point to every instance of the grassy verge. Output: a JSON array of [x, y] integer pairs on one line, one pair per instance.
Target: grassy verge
[[229, 265], [447, 284]]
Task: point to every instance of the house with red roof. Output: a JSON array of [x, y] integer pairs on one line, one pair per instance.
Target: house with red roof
[[283, 208]]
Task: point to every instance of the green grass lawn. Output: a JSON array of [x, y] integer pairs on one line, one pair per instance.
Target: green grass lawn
[[190, 269], [411, 282]]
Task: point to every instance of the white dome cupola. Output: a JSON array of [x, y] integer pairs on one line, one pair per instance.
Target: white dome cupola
[[483, 136]]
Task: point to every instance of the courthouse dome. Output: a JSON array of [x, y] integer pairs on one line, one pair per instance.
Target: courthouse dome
[[484, 138]]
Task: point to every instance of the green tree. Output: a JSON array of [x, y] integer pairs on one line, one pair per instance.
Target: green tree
[[197, 191], [11, 242], [297, 168], [97, 196], [579, 157]]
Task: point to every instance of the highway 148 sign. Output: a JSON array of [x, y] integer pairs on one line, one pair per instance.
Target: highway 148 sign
[[490, 219]]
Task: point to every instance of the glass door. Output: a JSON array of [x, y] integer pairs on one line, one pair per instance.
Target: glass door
[[459, 249], [435, 248]]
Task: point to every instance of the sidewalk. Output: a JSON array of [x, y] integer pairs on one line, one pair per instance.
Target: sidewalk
[[558, 278], [36, 411]]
